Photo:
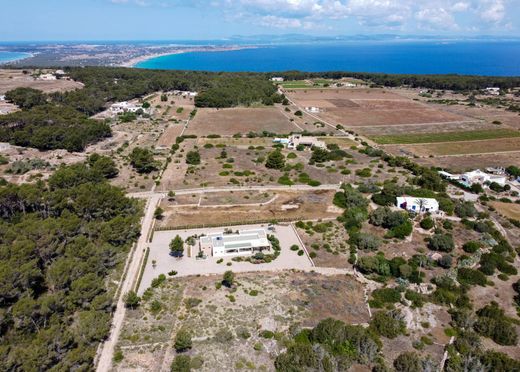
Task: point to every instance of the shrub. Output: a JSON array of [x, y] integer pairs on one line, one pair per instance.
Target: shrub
[[387, 295], [471, 277], [132, 300], [388, 324], [427, 223], [181, 363], [471, 246], [182, 341], [441, 242], [365, 172], [267, 334]]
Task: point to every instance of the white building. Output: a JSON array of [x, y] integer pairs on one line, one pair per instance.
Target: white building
[[350, 85], [277, 79], [121, 107], [47, 77], [477, 176], [312, 109], [2, 97], [418, 205], [246, 242], [493, 91], [297, 139], [283, 141]]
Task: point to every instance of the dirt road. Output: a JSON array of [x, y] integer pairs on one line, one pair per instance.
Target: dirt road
[[147, 194], [106, 351]]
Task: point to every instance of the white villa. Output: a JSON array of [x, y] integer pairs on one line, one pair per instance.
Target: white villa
[[246, 242], [277, 79], [493, 91], [120, 107], [419, 205], [297, 139], [313, 109], [185, 93], [477, 176]]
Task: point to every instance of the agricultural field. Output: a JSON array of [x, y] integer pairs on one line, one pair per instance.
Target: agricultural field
[[474, 135], [462, 163], [359, 108], [491, 146], [229, 326], [227, 122]]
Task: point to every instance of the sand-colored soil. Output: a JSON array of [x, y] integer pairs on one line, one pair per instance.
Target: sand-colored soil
[[239, 120]]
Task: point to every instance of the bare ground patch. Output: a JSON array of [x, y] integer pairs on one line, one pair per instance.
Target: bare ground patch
[[239, 120]]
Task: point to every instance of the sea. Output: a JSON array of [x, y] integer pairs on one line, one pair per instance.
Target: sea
[[431, 57], [6, 57]]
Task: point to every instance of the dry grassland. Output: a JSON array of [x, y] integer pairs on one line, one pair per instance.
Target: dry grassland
[[292, 205], [12, 79], [508, 210], [216, 323]]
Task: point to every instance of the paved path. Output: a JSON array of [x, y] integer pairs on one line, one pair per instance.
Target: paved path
[[104, 362]]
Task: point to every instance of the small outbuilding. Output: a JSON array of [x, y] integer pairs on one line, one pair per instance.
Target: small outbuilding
[[418, 205]]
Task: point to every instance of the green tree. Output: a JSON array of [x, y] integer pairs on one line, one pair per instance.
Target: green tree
[[103, 165], [275, 160], [132, 300], [142, 160], [193, 158], [26, 98], [158, 213], [182, 341], [177, 246], [228, 279]]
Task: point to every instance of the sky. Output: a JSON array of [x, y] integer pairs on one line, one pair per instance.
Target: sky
[[32, 20]]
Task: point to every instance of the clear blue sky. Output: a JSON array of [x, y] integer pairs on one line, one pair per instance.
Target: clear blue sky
[[216, 19]]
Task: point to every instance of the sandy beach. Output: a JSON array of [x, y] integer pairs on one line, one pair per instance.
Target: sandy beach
[[134, 61]]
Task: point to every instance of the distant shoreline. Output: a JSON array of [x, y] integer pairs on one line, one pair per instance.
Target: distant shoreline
[[135, 61], [27, 55]]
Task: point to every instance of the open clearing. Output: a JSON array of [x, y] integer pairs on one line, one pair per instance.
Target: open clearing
[[12, 79], [292, 205], [218, 325], [509, 210], [371, 107], [460, 148], [446, 136], [227, 122]]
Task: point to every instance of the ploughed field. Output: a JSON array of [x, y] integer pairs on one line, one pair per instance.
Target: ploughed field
[[370, 107], [227, 122]]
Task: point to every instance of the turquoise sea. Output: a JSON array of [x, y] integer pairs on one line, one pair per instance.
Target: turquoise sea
[[469, 58], [12, 56]]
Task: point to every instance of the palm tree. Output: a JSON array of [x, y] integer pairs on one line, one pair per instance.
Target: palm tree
[[421, 203]]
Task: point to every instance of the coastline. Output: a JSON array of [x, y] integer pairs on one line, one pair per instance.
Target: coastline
[[15, 60], [132, 63]]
